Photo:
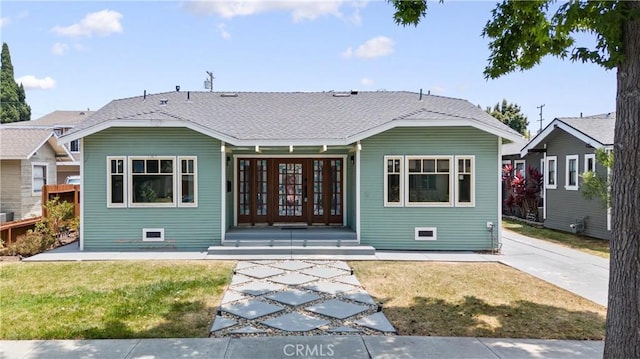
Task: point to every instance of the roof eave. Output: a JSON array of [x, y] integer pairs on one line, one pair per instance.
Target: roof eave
[[555, 124]]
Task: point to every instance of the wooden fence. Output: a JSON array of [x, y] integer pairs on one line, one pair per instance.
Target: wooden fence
[[9, 231]]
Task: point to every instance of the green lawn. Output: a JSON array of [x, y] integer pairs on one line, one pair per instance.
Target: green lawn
[[598, 247], [82, 300]]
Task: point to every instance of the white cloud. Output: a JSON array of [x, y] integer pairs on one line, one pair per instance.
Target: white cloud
[[59, 48], [102, 23], [366, 81], [4, 21], [222, 29], [300, 10], [372, 48], [31, 82]]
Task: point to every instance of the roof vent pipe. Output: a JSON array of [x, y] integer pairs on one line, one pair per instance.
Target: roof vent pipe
[[429, 92], [580, 114], [420, 95], [145, 95], [188, 95], [177, 88]]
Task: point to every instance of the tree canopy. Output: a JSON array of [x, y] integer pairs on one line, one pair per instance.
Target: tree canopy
[[510, 114], [522, 33], [12, 96]]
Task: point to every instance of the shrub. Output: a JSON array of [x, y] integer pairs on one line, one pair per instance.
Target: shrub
[[29, 244], [523, 192]]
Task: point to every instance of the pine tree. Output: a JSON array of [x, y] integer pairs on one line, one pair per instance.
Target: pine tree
[[13, 106]]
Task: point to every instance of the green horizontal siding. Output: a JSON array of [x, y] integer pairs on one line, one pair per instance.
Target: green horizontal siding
[[121, 228], [458, 228]]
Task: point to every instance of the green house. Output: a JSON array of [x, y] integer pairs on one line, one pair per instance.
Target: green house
[[191, 170]]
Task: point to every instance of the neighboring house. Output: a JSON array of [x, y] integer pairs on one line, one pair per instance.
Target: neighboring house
[[399, 169], [28, 158], [60, 122], [567, 149]]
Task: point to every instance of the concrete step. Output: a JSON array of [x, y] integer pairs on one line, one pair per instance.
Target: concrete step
[[293, 250], [276, 242]]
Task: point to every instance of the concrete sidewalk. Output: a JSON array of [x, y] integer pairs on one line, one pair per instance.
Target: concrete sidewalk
[[355, 347]]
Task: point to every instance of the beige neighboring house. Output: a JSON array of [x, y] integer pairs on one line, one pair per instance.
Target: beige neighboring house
[[31, 157]]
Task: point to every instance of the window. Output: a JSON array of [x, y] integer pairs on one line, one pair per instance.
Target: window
[[519, 167], [74, 146], [38, 177], [188, 182], [590, 162], [152, 182], [551, 180], [393, 181], [429, 181], [571, 173], [465, 174], [116, 181]]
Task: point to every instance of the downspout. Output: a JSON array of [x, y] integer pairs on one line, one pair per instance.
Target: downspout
[[358, 149], [223, 191], [544, 184], [500, 199], [82, 206]]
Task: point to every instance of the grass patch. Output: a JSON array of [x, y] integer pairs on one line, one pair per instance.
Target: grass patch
[[95, 300], [598, 247], [477, 300]]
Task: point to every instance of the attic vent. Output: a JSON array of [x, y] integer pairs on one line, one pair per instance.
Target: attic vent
[[426, 233], [229, 95], [153, 234], [164, 101], [341, 95], [354, 92]]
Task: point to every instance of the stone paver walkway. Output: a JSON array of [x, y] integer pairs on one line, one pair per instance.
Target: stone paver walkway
[[297, 297]]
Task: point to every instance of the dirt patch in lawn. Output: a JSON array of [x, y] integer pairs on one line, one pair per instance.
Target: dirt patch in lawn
[[479, 300]]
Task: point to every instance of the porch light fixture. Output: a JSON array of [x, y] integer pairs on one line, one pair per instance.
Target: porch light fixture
[[324, 148], [290, 148], [258, 148]]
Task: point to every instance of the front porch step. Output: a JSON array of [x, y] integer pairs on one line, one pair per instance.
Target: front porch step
[[272, 242], [352, 250]]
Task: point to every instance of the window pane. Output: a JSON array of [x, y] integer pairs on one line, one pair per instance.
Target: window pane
[[573, 172], [414, 165], [443, 165], [393, 188], [152, 166], [117, 188], [464, 188], [138, 166], [166, 166], [188, 189], [429, 188], [152, 189], [429, 165]]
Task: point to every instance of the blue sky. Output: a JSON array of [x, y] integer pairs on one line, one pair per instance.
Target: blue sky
[[82, 54]]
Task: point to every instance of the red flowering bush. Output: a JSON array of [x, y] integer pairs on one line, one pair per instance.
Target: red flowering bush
[[523, 192]]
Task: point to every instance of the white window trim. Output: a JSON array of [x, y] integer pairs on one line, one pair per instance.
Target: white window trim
[[587, 157], [124, 182], [400, 203], [76, 141], [569, 158], [473, 181], [555, 172], [38, 191], [130, 187], [429, 204], [195, 181], [524, 168]]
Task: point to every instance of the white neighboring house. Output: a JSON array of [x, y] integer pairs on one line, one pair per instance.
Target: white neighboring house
[[31, 157]]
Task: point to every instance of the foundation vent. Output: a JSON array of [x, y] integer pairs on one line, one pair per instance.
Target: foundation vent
[[426, 233], [153, 234]]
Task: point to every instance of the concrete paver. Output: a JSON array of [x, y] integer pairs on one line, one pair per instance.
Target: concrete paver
[[293, 297], [295, 322], [377, 321], [524, 348], [330, 287], [250, 308], [335, 308]]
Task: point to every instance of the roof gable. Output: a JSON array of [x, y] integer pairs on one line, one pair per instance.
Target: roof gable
[[297, 117], [596, 131], [23, 143]]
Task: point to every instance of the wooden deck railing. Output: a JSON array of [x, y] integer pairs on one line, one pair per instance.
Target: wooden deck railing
[[9, 231]]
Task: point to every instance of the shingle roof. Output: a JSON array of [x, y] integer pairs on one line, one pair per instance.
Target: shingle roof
[[54, 119], [291, 116], [20, 143], [599, 127], [513, 148]]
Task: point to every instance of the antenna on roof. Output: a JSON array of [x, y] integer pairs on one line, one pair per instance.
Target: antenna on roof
[[208, 83]]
